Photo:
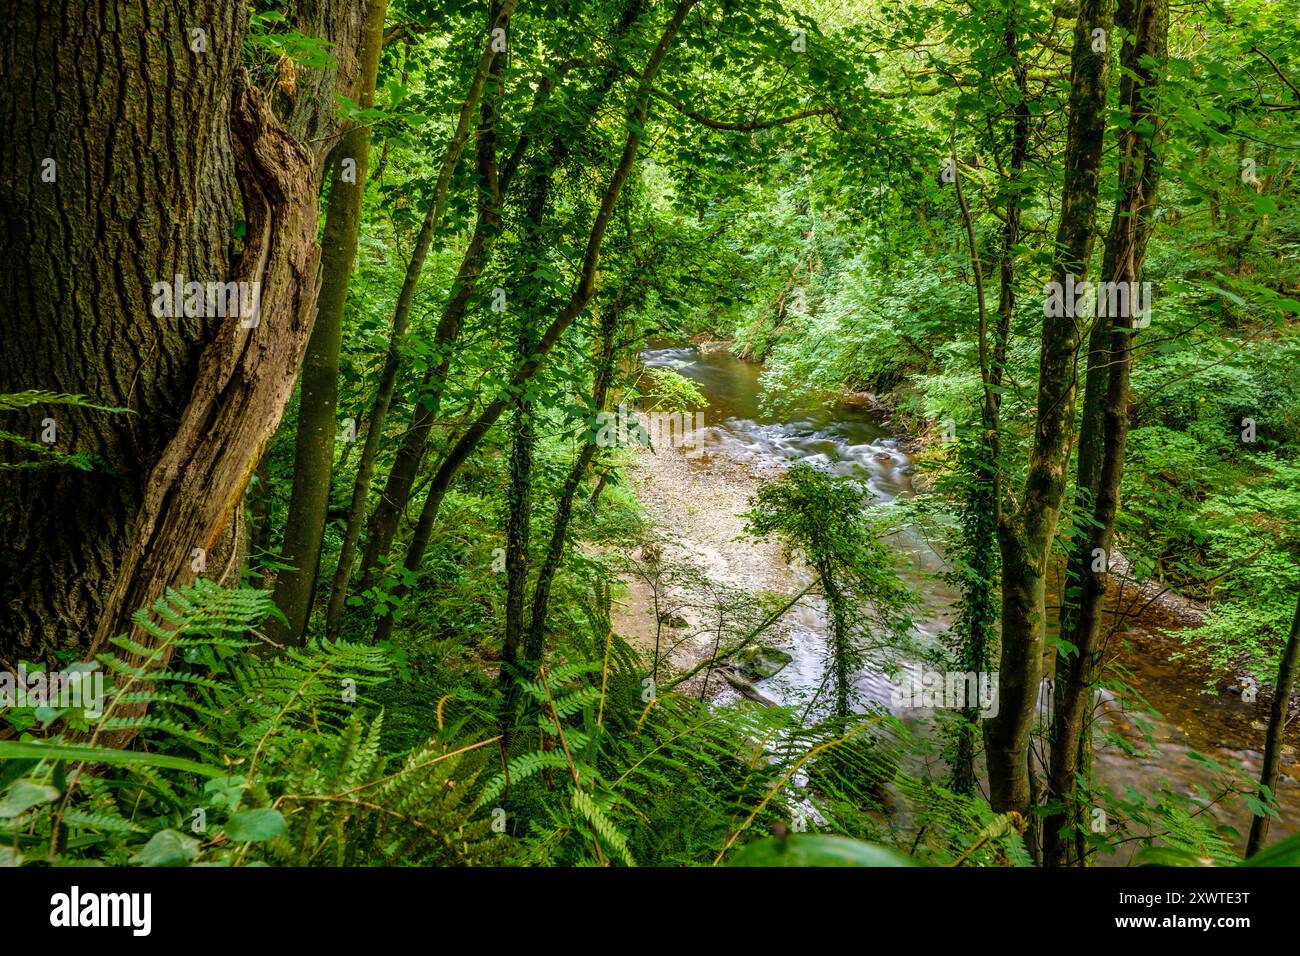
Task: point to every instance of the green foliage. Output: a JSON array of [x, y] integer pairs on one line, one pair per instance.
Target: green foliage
[[239, 759], [609, 773], [44, 454], [816, 851], [825, 245], [664, 390], [269, 39], [823, 518]]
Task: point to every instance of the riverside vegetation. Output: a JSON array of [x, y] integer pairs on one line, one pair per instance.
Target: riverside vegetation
[[351, 569]]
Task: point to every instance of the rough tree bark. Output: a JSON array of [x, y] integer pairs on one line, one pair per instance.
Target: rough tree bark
[[150, 125], [1104, 426], [1028, 527], [84, 249]]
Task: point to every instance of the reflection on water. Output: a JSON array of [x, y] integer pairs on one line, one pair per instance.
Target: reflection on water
[[851, 441]]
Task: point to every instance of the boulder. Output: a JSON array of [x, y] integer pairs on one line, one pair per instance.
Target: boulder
[[762, 660]]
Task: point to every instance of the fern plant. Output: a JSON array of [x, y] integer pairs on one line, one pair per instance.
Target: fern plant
[[44, 454], [236, 759]]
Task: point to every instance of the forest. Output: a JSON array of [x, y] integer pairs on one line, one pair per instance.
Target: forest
[[650, 433]]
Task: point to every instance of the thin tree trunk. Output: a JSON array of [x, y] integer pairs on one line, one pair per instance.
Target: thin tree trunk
[[1105, 422], [536, 641], [519, 495], [601, 480], [841, 649], [982, 511], [1026, 530], [383, 524], [518, 529], [392, 504], [319, 392], [498, 17], [577, 303], [1286, 681]]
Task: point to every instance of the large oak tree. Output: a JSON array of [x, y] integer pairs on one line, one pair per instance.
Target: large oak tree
[[166, 160]]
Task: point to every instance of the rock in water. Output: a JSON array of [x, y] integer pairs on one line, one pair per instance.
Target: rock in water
[[762, 660]]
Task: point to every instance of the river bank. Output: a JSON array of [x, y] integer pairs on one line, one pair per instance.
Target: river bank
[[696, 506]]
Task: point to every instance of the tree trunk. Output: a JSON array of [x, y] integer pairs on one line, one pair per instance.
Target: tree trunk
[[518, 526], [577, 303], [519, 494], [1026, 532], [1104, 429], [319, 392], [1286, 681], [383, 525], [564, 506], [981, 509], [498, 18], [85, 250], [150, 135], [536, 642], [841, 646]]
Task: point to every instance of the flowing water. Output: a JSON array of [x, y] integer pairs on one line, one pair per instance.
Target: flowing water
[[853, 441]]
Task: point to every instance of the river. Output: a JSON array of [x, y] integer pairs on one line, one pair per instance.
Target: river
[[851, 440]]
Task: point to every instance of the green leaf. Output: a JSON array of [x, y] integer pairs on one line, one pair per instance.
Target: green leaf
[[168, 848], [13, 750], [24, 795], [253, 826], [1264, 204], [1230, 296], [225, 791], [1286, 853], [817, 850], [1169, 856]]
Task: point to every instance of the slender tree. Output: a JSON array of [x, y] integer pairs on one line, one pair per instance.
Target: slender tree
[[1028, 521], [492, 53], [1105, 414], [557, 140], [1287, 669], [578, 300], [318, 424]]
